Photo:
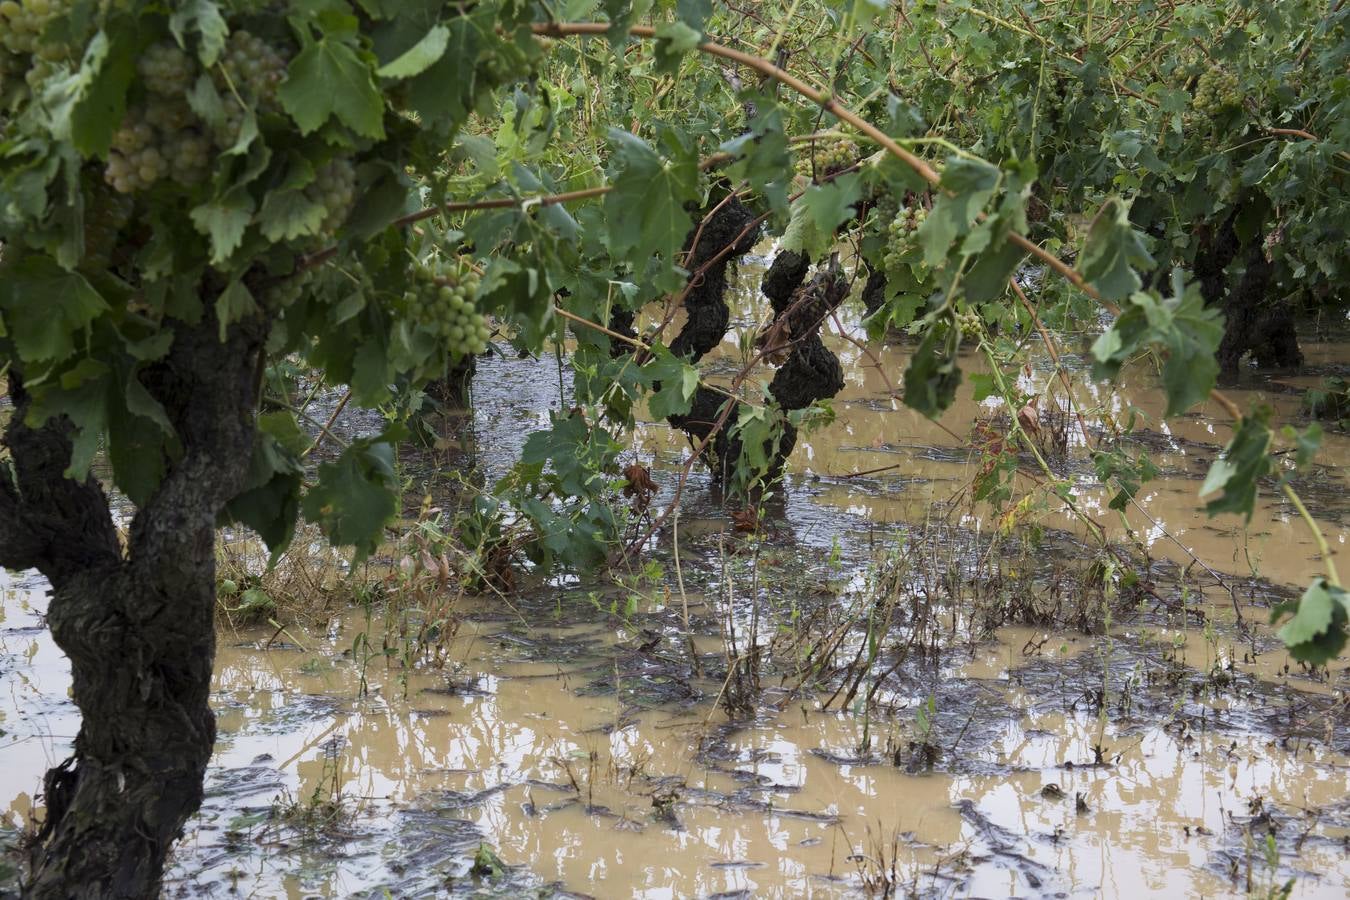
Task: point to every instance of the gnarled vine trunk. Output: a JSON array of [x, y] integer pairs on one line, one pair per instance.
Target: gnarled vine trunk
[[808, 370], [136, 623], [1253, 322]]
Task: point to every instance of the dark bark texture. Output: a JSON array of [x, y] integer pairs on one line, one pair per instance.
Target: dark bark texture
[[1253, 322], [808, 371], [874, 291], [136, 623]]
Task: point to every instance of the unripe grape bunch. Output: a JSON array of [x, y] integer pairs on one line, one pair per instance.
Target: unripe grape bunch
[[250, 71], [1216, 90], [828, 159], [902, 237], [443, 306], [161, 137], [970, 323], [334, 187], [22, 23]]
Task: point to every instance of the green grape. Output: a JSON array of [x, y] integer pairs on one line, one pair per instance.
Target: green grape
[[22, 23], [828, 159], [970, 324], [287, 290], [252, 69], [1217, 90], [189, 155], [440, 306], [166, 70], [247, 76], [902, 240], [134, 163], [158, 140], [334, 187]]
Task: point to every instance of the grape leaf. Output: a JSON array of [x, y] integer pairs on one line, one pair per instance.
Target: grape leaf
[[203, 17], [269, 502], [234, 304], [645, 210], [87, 105], [328, 79], [966, 186], [831, 204], [224, 221], [677, 381], [933, 376], [762, 158], [419, 57], [287, 214], [442, 95], [1245, 460], [1112, 251], [45, 307], [1317, 632], [1182, 324], [673, 40], [356, 496]]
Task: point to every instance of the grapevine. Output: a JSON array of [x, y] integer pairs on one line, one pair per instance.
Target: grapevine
[[829, 159], [25, 21], [902, 240], [1216, 91], [335, 188], [443, 306]]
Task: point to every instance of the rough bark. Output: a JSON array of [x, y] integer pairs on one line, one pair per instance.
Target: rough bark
[[808, 370], [725, 237], [874, 290], [1253, 323], [452, 390], [137, 624]]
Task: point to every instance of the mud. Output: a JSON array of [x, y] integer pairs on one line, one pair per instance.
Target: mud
[[1008, 728]]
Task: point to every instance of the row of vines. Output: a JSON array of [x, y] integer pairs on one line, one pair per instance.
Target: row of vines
[[197, 197]]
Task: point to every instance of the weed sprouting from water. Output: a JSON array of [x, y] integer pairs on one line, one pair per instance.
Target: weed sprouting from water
[[326, 811]]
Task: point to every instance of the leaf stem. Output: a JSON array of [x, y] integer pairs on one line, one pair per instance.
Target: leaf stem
[[1323, 548]]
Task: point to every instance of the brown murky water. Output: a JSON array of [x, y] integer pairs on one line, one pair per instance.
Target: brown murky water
[[1153, 758]]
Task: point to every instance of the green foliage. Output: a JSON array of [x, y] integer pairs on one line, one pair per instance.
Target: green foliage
[[257, 166], [1112, 252], [1182, 324], [933, 375], [1317, 631], [645, 210], [355, 496], [1243, 463], [1130, 474]]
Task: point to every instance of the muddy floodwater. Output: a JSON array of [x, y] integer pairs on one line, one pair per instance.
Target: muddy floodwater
[[883, 692]]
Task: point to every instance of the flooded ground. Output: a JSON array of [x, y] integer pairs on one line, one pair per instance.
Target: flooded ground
[[877, 695]]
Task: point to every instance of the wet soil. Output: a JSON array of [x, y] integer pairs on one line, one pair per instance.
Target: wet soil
[[879, 694]]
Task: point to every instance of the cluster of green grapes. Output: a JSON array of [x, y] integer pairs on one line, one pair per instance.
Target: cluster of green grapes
[[829, 159], [1216, 90], [22, 23], [162, 137], [902, 238], [334, 187], [970, 323], [156, 141], [27, 52], [286, 291], [249, 69], [444, 307]]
